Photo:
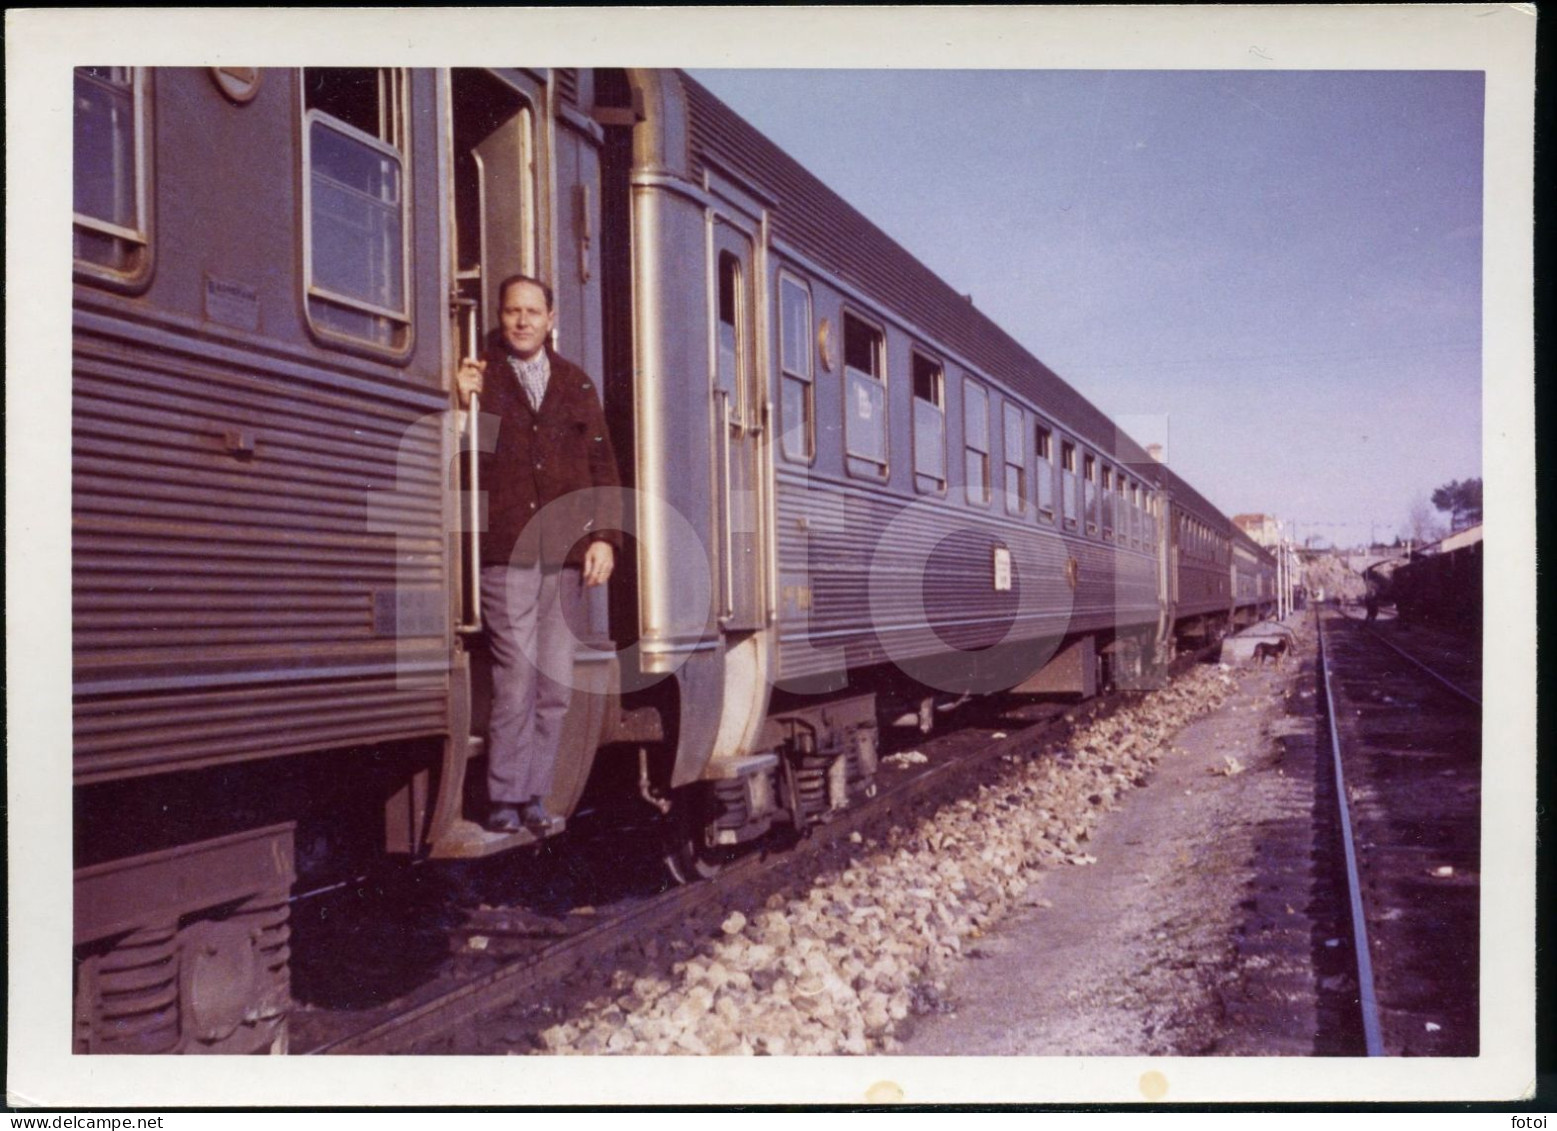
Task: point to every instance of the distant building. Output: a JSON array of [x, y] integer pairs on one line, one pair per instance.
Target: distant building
[[1467, 537], [1263, 528]]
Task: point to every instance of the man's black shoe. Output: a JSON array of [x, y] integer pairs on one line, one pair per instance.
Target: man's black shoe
[[536, 819], [504, 819]]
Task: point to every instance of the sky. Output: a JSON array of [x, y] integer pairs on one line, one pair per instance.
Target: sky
[[1278, 273]]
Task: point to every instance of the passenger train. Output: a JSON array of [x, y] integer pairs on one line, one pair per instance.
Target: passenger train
[[851, 497]]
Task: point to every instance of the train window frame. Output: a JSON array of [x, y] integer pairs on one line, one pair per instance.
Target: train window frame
[[1014, 439], [729, 331], [131, 244], [864, 389], [1043, 471], [1117, 508], [974, 458], [321, 302], [1089, 504], [1070, 494], [1106, 500], [793, 378], [928, 397]]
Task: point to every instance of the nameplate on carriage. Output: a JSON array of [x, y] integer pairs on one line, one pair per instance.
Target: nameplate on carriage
[[232, 304], [1002, 569]]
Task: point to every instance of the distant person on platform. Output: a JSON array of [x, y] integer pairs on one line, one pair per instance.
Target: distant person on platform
[[537, 554]]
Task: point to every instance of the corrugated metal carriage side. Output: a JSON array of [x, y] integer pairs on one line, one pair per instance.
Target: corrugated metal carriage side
[[260, 563], [853, 274], [1254, 578]]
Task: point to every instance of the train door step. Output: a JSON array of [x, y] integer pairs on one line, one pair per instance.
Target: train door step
[[466, 840]]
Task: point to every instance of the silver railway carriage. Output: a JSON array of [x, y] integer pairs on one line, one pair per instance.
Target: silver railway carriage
[[852, 497]]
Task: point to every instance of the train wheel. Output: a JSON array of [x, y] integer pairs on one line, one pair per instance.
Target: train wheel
[[689, 863], [688, 858]]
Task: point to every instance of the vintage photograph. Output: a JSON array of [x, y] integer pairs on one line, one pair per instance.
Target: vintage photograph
[[864, 568]]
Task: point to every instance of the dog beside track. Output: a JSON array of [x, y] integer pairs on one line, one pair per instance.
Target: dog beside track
[[1270, 650]]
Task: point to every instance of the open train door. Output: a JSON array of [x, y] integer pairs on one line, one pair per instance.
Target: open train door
[[496, 207]]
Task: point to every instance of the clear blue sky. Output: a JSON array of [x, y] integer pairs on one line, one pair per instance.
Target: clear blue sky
[[1280, 270]]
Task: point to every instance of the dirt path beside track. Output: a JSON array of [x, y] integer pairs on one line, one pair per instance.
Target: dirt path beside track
[[1188, 936]]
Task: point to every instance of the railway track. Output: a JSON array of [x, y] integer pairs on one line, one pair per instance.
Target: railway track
[[1405, 743], [505, 954]]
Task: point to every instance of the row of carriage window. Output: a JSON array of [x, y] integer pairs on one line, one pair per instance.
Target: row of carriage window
[[356, 266], [1197, 540], [354, 150], [1092, 495]]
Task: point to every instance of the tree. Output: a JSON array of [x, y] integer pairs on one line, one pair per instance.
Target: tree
[[1421, 526], [1462, 499]]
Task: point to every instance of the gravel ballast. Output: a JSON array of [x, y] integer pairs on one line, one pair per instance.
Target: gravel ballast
[[846, 966]]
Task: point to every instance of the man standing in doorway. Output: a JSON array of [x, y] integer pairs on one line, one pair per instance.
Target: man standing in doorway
[[553, 527]]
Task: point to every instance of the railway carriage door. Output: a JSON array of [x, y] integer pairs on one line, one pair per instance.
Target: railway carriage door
[[738, 406], [495, 205], [495, 209]]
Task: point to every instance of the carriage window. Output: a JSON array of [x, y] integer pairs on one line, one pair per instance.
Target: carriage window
[[929, 424], [865, 394], [1043, 474], [1089, 487], [975, 430], [354, 243], [1107, 498], [728, 368], [1070, 505], [798, 402], [110, 227], [1015, 455]]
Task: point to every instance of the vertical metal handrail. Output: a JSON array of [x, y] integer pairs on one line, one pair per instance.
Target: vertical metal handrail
[[727, 598], [473, 453]]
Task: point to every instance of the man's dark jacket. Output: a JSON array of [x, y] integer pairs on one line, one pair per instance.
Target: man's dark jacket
[[541, 457]]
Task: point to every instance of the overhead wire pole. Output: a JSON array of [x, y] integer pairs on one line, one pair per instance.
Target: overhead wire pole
[[1281, 576], [1286, 557], [1278, 573]]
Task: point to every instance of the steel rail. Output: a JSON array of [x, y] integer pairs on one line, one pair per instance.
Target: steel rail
[[444, 1012], [448, 1009], [1460, 691], [1366, 991]]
